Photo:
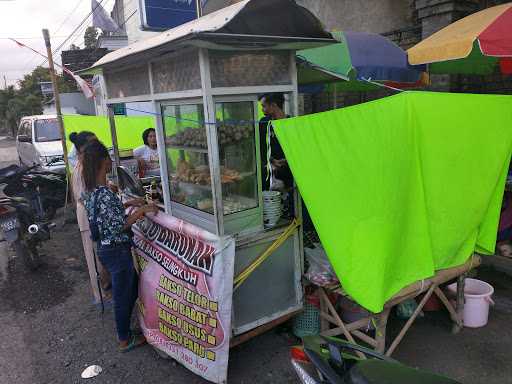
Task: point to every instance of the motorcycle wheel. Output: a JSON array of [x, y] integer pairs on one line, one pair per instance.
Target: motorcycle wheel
[[29, 255]]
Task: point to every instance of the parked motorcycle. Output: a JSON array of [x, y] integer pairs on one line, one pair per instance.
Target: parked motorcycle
[[327, 360], [24, 219], [45, 190]]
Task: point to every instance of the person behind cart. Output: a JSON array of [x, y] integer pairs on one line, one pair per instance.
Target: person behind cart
[[276, 174], [80, 140], [110, 227], [281, 176], [147, 155]]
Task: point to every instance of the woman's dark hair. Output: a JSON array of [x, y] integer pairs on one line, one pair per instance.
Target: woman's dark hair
[[80, 139], [93, 155], [145, 135]]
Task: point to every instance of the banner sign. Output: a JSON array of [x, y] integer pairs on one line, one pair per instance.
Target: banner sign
[[185, 293], [161, 15]]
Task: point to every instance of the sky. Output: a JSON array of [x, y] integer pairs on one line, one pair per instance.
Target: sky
[[24, 20]]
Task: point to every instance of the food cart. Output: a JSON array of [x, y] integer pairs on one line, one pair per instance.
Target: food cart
[[204, 79]]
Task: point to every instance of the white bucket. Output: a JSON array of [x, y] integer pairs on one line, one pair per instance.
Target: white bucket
[[477, 296]]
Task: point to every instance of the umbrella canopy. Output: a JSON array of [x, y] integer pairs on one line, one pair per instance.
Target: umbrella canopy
[[360, 56], [475, 44]]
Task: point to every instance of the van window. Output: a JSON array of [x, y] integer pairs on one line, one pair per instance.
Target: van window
[[47, 130], [25, 129]]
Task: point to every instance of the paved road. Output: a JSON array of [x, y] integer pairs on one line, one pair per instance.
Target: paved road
[[50, 331], [8, 154]]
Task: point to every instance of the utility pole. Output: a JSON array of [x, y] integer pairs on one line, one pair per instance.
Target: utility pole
[[46, 36], [199, 9], [115, 146], [5, 82]]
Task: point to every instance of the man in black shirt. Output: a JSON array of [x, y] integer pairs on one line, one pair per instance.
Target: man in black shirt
[[272, 104]]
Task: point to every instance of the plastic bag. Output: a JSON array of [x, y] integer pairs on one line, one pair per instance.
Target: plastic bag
[[320, 271]]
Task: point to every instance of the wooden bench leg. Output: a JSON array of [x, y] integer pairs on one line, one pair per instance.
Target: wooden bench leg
[[380, 330], [332, 312], [409, 322], [324, 323], [457, 327]]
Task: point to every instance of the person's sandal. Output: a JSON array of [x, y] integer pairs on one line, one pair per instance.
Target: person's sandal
[[135, 341]]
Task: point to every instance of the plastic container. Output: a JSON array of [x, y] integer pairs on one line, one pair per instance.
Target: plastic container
[[477, 296], [307, 323]]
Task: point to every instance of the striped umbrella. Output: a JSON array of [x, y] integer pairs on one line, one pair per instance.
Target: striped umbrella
[[476, 44]]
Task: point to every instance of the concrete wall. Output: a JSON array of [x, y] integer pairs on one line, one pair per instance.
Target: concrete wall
[[377, 16], [132, 25], [72, 103]]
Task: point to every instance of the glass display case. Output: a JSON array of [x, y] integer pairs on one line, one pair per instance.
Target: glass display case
[[237, 155], [188, 166]]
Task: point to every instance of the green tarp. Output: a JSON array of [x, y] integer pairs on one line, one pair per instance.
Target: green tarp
[[129, 129], [403, 186]]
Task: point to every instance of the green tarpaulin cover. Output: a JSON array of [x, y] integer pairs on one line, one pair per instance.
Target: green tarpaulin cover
[[129, 129], [403, 186]]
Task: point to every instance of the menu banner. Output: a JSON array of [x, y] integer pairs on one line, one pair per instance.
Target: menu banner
[[185, 293]]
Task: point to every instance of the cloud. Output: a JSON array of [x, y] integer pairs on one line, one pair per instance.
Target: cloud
[[26, 19]]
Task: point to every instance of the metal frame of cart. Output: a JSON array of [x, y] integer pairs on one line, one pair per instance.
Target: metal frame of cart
[[217, 60]]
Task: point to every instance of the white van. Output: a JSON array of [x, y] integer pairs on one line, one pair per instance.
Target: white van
[[39, 143]]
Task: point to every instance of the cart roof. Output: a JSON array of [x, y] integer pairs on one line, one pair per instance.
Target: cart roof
[[246, 25]]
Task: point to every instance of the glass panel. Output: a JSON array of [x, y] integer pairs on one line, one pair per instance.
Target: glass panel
[[47, 130], [237, 69], [237, 152], [187, 156], [129, 82], [177, 74]]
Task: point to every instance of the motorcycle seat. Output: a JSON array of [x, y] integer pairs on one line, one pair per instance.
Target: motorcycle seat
[[13, 199], [9, 171], [383, 372]]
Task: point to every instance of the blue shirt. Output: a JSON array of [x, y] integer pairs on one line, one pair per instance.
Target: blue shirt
[[110, 215]]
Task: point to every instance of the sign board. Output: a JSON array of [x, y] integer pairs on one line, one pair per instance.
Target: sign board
[[185, 293], [46, 88], [161, 15], [119, 109]]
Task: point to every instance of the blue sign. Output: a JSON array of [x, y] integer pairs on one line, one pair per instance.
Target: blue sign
[[160, 15]]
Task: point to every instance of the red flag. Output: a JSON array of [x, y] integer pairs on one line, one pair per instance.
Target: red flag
[[21, 45], [84, 86]]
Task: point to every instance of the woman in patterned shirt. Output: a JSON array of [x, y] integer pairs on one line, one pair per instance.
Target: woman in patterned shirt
[[114, 244]]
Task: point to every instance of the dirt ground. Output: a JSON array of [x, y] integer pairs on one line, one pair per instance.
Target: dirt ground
[[50, 331]]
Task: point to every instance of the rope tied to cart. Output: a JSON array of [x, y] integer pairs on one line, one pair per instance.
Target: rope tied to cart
[[244, 275]]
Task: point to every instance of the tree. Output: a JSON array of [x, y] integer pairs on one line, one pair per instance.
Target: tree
[[28, 99], [90, 37]]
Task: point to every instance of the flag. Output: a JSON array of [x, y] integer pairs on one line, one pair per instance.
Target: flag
[[101, 19], [84, 85], [21, 45]]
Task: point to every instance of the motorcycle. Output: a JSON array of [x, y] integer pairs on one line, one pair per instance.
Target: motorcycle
[[24, 219], [327, 360], [45, 190]]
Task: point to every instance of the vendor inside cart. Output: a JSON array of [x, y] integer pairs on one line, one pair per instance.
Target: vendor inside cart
[[281, 178], [147, 155]]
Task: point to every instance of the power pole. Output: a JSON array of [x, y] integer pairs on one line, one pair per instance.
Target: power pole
[[115, 146], [46, 36], [199, 9], [5, 82]]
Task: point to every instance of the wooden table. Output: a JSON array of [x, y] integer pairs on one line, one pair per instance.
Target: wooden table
[[333, 325]]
